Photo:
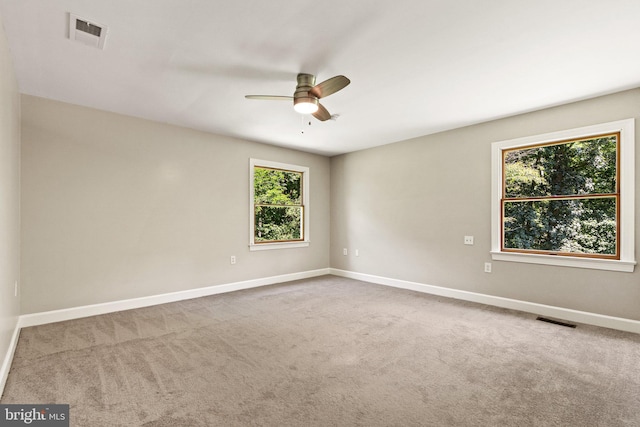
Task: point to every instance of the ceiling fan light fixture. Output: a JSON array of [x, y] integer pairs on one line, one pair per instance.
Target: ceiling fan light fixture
[[305, 105]]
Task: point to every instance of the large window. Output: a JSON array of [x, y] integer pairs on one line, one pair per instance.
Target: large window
[[562, 198], [279, 205], [566, 198]]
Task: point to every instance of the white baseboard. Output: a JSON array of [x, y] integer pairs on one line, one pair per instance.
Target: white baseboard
[[8, 358], [611, 322], [42, 318]]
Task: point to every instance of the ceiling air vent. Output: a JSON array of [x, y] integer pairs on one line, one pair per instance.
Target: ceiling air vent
[[86, 31]]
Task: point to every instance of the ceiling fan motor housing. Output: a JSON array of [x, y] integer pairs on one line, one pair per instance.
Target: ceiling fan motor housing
[[305, 82], [302, 100]]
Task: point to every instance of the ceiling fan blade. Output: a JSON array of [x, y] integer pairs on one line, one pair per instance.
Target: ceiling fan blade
[[270, 97], [322, 114], [330, 86]]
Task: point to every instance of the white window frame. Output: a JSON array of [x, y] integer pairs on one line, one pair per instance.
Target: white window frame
[[627, 261], [253, 246]]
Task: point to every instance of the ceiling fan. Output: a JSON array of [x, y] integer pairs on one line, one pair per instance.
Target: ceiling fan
[[305, 98]]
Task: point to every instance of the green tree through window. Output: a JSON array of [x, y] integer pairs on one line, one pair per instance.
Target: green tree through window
[[278, 205], [563, 197]]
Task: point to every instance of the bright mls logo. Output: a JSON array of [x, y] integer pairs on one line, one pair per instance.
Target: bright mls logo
[[34, 415]]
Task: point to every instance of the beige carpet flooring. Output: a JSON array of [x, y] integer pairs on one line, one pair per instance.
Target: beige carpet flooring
[[328, 351]]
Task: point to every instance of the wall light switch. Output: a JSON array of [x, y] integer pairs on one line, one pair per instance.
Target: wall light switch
[[468, 240], [345, 252]]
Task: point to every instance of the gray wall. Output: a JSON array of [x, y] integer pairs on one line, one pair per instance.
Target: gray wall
[[407, 206], [115, 207], [9, 197]]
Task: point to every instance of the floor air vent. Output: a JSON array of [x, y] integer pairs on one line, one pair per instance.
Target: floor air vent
[[86, 31], [555, 322]]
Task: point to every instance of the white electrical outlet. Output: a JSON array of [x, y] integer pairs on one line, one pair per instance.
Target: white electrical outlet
[[233, 259], [487, 267], [468, 240], [345, 252], [357, 253]]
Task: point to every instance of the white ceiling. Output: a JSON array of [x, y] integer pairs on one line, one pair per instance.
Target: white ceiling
[[416, 66]]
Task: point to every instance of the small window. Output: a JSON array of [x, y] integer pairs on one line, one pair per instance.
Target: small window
[[566, 196], [279, 205]]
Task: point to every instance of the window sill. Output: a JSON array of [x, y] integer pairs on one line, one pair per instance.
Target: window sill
[[279, 245], [564, 261]]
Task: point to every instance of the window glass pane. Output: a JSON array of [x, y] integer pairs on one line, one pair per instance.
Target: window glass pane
[[571, 226], [574, 168], [278, 223], [277, 187]]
